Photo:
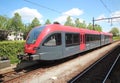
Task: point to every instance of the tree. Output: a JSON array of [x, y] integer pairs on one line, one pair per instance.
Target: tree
[[83, 25], [80, 24], [90, 26], [97, 28], [115, 31], [16, 23], [77, 23], [69, 22], [35, 22], [47, 22], [26, 30], [3, 22]]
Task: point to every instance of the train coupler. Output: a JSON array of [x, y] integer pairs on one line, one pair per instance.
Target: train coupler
[[28, 57], [23, 57]]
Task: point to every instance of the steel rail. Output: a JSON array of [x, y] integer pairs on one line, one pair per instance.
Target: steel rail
[[104, 81], [78, 76], [73, 80]]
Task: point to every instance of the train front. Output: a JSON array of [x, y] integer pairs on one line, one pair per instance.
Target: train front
[[32, 44]]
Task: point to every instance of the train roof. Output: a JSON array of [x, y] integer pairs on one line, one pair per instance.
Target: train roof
[[58, 27], [106, 33]]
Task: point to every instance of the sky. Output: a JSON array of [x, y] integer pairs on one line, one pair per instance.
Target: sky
[[59, 10]]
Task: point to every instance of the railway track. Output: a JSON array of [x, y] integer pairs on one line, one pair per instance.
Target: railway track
[[15, 75], [18, 74], [99, 71]]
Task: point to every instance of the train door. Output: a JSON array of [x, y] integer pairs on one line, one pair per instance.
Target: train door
[[51, 48], [71, 44], [102, 39], [82, 41]]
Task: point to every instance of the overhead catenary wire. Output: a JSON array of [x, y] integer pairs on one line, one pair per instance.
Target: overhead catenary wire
[[43, 6], [105, 6], [59, 12], [109, 10]]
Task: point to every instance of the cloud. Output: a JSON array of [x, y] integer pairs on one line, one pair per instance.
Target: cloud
[[72, 12], [116, 14], [101, 16], [61, 19], [28, 14]]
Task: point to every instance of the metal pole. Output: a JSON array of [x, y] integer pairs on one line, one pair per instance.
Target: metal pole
[[104, 19], [93, 24]]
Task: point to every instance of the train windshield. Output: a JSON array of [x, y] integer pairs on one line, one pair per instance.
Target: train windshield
[[33, 35]]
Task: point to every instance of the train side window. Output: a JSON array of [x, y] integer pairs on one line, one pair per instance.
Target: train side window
[[68, 39], [87, 38], [76, 39], [53, 40], [90, 38], [72, 39]]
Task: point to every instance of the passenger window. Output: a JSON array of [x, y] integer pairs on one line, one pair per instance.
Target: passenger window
[[72, 39], [53, 40], [76, 38], [68, 39]]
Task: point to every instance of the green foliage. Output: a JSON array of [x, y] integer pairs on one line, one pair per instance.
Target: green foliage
[[83, 24], [77, 23], [115, 31], [90, 26], [80, 24], [35, 22], [3, 22], [69, 22], [116, 38], [16, 23], [11, 49], [47, 22], [97, 28]]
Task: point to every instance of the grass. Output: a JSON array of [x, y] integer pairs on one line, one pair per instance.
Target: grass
[[116, 38]]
